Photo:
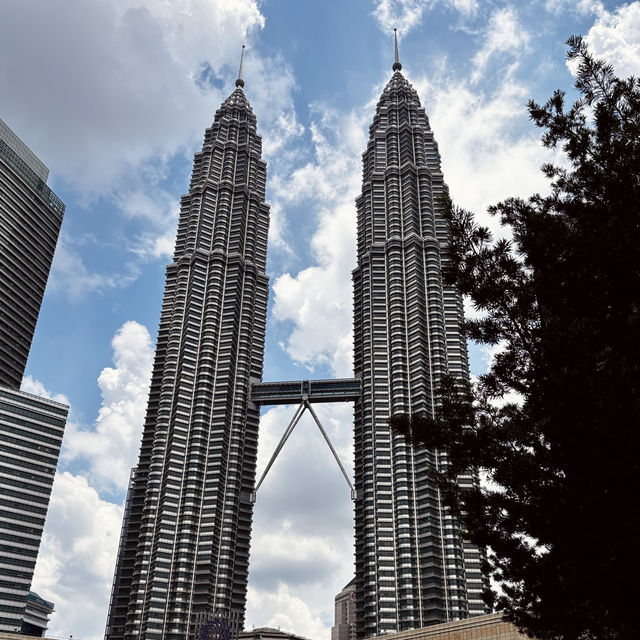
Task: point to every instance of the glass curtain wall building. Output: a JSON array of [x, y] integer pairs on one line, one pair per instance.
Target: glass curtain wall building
[[184, 553], [31, 427], [412, 568], [30, 219], [31, 430]]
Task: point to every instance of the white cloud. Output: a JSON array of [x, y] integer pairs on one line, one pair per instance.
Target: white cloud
[[282, 610], [504, 34], [77, 557], [465, 7], [127, 92], [614, 37], [401, 14], [111, 448], [141, 80], [31, 385], [302, 538], [580, 6], [71, 277], [78, 550], [489, 149], [157, 211], [405, 15], [317, 300], [136, 86]]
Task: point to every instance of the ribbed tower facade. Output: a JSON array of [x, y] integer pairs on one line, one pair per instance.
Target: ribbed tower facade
[[412, 568], [184, 552]]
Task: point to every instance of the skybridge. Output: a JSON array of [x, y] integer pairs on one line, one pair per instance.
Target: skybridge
[[341, 390], [304, 393]]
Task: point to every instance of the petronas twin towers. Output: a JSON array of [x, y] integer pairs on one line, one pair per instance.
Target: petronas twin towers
[[183, 558]]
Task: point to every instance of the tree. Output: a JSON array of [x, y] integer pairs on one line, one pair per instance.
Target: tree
[[561, 299]]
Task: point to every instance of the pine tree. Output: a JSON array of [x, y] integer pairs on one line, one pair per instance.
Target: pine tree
[[555, 423]]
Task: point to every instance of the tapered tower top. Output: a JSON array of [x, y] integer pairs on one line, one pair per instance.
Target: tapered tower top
[[240, 81], [396, 65]]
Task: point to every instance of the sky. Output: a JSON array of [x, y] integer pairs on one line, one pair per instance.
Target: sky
[[114, 96]]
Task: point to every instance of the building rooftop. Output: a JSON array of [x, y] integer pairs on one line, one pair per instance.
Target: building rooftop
[[268, 633], [23, 152]]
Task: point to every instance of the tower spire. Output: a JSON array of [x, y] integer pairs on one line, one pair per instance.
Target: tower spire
[[240, 81], [396, 65]]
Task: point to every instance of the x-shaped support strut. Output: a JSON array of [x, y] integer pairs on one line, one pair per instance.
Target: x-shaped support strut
[[305, 404]]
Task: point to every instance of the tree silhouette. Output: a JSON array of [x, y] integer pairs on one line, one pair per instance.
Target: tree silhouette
[[554, 424]]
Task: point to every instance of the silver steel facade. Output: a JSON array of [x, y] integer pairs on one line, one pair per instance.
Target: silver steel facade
[[412, 568], [31, 430], [185, 548]]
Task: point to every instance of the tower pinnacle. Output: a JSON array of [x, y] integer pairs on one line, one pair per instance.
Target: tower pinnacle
[[240, 81], [396, 65]]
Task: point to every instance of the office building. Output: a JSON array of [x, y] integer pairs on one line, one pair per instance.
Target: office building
[[344, 627], [31, 430], [412, 568], [36, 616], [30, 219], [185, 550]]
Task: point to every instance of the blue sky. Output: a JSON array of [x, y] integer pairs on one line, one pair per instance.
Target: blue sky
[[114, 97]]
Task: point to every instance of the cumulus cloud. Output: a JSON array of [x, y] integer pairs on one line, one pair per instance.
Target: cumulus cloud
[[78, 549], [77, 557], [285, 611], [303, 523], [141, 80], [110, 448], [614, 37], [317, 300], [128, 90], [489, 148]]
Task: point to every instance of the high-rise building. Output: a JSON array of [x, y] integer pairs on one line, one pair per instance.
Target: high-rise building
[[31, 428], [412, 567], [36, 616], [30, 219], [344, 627], [185, 549]]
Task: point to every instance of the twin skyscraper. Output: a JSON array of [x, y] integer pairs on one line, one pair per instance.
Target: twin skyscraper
[[184, 551]]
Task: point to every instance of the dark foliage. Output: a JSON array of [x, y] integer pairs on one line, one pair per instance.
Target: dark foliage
[[562, 298]]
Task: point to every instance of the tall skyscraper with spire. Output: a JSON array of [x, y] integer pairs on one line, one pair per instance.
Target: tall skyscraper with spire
[[184, 548], [412, 567], [184, 552]]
